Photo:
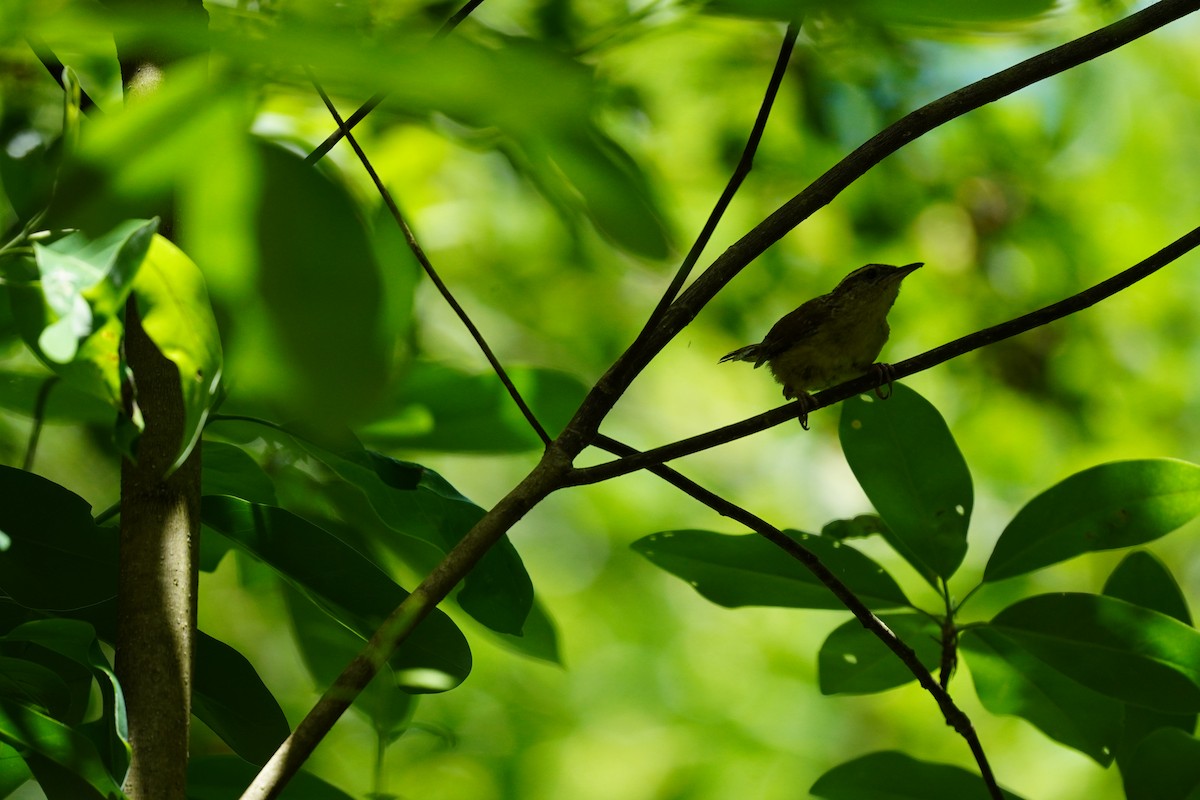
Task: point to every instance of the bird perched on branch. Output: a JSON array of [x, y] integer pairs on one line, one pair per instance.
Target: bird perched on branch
[[831, 338]]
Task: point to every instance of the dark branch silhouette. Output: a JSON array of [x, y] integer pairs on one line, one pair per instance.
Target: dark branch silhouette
[[973, 341]]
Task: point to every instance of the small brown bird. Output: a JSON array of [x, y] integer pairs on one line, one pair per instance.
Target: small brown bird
[[831, 338]]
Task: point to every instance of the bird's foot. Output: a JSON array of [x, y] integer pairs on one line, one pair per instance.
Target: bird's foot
[[805, 401], [886, 374]]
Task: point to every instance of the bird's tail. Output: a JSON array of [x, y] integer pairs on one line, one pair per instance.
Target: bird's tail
[[750, 352]]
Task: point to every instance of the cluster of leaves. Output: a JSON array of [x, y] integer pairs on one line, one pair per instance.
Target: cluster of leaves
[[1114, 675]]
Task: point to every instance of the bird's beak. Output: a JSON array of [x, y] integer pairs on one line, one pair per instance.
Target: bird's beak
[[908, 268]]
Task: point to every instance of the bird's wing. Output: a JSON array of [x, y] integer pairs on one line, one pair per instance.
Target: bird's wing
[[794, 328]]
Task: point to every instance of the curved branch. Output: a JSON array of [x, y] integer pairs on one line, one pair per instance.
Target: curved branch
[[822, 191], [973, 341]]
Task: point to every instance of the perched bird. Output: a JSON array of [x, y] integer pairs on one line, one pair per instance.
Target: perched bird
[[831, 338]]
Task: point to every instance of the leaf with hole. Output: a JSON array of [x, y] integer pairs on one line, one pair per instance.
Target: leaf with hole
[[852, 660]]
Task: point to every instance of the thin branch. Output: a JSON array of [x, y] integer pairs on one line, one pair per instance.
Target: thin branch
[[39, 419], [427, 265], [374, 100], [745, 164], [924, 361], [822, 191], [955, 717]]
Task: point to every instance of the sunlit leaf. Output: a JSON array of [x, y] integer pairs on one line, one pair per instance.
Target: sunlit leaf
[[1115, 505], [750, 571], [852, 660], [896, 776], [1011, 680], [906, 460], [1121, 650], [434, 658], [177, 316]]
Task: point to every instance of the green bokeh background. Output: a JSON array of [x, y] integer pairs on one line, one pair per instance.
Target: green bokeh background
[[662, 694]]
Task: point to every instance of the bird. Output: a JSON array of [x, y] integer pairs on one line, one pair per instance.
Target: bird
[[832, 338]]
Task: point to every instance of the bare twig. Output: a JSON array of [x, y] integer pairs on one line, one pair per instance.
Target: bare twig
[[735, 181], [911, 366], [39, 420], [427, 265]]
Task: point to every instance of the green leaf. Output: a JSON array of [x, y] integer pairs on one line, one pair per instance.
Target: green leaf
[[19, 390], [439, 408], [415, 501], [13, 771], [226, 777], [615, 193], [57, 559], [231, 699], [889, 775], [1115, 505], [1145, 581], [228, 469], [310, 341], [1125, 651], [77, 652], [1011, 680], [538, 638], [852, 660], [910, 467], [748, 570], [28, 164], [1165, 766], [57, 755], [434, 658], [327, 647], [177, 316]]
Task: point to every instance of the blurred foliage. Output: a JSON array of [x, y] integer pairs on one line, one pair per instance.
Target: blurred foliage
[[553, 157]]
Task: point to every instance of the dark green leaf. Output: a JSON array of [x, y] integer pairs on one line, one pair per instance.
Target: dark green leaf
[[28, 163], [415, 501], [19, 391], [434, 658], [231, 699], [539, 637], [1145, 581], [327, 647], [1165, 766], [1125, 651], [750, 571], [226, 777], [57, 755], [57, 559], [910, 467], [439, 408], [860, 527], [39, 687], [888, 775], [1121, 504], [853, 660], [228, 469], [1011, 680]]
